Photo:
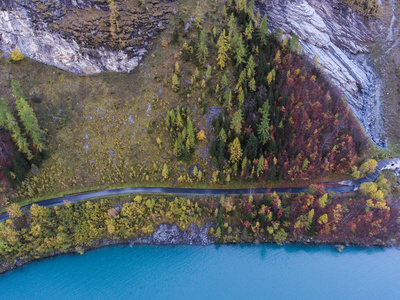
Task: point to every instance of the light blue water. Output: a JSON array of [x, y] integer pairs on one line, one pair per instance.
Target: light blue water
[[212, 272]]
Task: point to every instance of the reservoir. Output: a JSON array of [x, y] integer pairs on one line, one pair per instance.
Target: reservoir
[[210, 272]]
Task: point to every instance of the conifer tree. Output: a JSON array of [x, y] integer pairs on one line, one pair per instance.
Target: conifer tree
[[240, 51], [199, 18], [175, 83], [164, 172], [264, 126], [232, 25], [260, 165], [208, 73], [251, 150], [30, 122], [202, 50], [241, 98], [178, 120], [251, 65], [252, 85], [223, 48], [11, 125], [190, 136], [235, 151], [249, 31], [224, 82], [222, 135], [236, 124]]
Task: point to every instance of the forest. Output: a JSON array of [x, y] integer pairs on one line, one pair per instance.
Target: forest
[[368, 217], [281, 119]]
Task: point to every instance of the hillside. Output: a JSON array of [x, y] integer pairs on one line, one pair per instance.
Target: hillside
[[218, 100]]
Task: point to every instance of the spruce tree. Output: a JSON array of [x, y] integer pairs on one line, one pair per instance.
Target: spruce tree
[[236, 124], [223, 48], [202, 50], [264, 126], [30, 122], [240, 51]]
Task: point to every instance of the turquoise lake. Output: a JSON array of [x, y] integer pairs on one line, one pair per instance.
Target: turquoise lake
[[210, 272]]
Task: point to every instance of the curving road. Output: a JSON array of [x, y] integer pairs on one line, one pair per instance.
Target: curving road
[[337, 187]]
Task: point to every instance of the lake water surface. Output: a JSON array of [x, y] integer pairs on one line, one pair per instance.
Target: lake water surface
[[210, 272]]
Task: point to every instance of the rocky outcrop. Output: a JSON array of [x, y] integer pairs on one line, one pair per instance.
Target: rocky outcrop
[[171, 234], [340, 38], [82, 36]]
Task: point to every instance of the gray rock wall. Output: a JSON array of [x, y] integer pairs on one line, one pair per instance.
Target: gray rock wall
[[341, 39], [77, 36]]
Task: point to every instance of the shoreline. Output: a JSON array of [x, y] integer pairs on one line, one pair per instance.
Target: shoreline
[[170, 240]]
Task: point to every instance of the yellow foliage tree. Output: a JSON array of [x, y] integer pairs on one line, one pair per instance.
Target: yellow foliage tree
[[16, 55], [236, 151], [201, 135]]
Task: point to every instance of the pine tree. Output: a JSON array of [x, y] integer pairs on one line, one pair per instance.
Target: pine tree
[[208, 73], [202, 50], [178, 121], [16, 55], [30, 122], [165, 172], [240, 51], [232, 25], [178, 146], [235, 151], [223, 48], [252, 85], [260, 165], [236, 124], [190, 136], [249, 31], [264, 126], [251, 150], [20, 140], [250, 67], [222, 135], [199, 18], [224, 82], [175, 83], [241, 98]]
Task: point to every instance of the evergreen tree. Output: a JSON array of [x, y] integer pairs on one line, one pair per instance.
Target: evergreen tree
[[208, 73], [224, 82], [240, 51], [249, 31], [190, 136], [202, 50], [264, 126], [260, 165], [251, 150], [175, 83], [241, 98], [236, 124], [235, 151], [165, 172], [30, 122], [223, 48], [251, 67], [199, 18]]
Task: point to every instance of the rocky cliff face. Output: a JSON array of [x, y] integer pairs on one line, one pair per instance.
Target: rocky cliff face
[[340, 38], [82, 36]]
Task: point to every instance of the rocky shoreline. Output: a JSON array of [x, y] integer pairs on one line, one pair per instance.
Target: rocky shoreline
[[171, 234]]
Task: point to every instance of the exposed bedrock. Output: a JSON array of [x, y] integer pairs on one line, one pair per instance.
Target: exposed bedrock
[[341, 39], [82, 36]]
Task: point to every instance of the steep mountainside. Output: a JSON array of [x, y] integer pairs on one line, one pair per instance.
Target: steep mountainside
[[341, 39], [82, 36]]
